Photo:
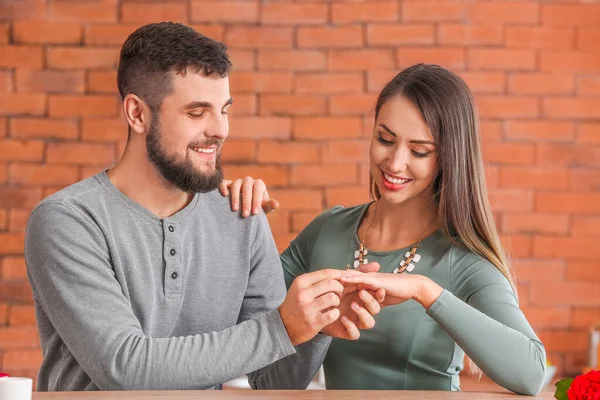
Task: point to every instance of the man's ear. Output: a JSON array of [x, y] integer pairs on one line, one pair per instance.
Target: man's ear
[[137, 114]]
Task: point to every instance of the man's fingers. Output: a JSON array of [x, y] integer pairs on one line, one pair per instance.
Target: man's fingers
[[235, 194], [311, 278], [351, 328], [324, 303], [326, 318], [370, 303], [325, 286]]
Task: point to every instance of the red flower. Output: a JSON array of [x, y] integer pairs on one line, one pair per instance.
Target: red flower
[[585, 387]]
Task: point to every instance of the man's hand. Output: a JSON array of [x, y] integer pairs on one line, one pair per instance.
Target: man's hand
[[319, 302], [254, 195], [311, 304]]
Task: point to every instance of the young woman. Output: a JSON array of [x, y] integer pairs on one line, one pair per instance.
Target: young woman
[[449, 288]]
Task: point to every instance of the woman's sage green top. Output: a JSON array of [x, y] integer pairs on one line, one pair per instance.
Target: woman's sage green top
[[417, 349]]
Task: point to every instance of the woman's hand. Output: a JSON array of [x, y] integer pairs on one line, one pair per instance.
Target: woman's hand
[[398, 287], [357, 309], [254, 195]]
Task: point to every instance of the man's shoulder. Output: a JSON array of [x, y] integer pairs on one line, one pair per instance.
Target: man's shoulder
[[69, 200], [215, 199], [216, 208], [85, 189]]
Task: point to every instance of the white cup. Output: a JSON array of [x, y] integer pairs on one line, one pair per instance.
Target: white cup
[[14, 388]]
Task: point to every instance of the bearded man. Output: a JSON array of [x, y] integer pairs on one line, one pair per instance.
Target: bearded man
[[143, 278]]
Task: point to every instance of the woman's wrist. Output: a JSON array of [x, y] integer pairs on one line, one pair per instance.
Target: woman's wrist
[[427, 292]]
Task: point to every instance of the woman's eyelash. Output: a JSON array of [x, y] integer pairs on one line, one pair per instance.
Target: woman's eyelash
[[420, 155], [390, 143], [384, 142]]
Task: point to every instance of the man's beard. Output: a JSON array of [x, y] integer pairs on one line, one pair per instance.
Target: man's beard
[[181, 174]]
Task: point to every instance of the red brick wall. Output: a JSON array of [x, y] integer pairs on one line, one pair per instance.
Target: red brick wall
[[306, 77]]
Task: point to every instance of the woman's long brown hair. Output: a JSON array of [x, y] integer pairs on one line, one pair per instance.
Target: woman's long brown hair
[[447, 107]]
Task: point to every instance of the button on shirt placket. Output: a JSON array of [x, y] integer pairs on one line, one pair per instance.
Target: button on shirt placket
[[172, 256]]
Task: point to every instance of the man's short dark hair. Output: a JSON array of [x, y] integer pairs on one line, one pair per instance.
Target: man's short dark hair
[[153, 51]]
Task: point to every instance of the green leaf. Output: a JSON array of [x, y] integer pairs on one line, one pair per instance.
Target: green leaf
[[561, 389]]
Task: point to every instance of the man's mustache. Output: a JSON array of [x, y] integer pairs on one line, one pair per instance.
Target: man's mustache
[[207, 143]]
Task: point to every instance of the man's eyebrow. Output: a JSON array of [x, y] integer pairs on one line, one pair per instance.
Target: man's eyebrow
[[198, 104], [205, 104]]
